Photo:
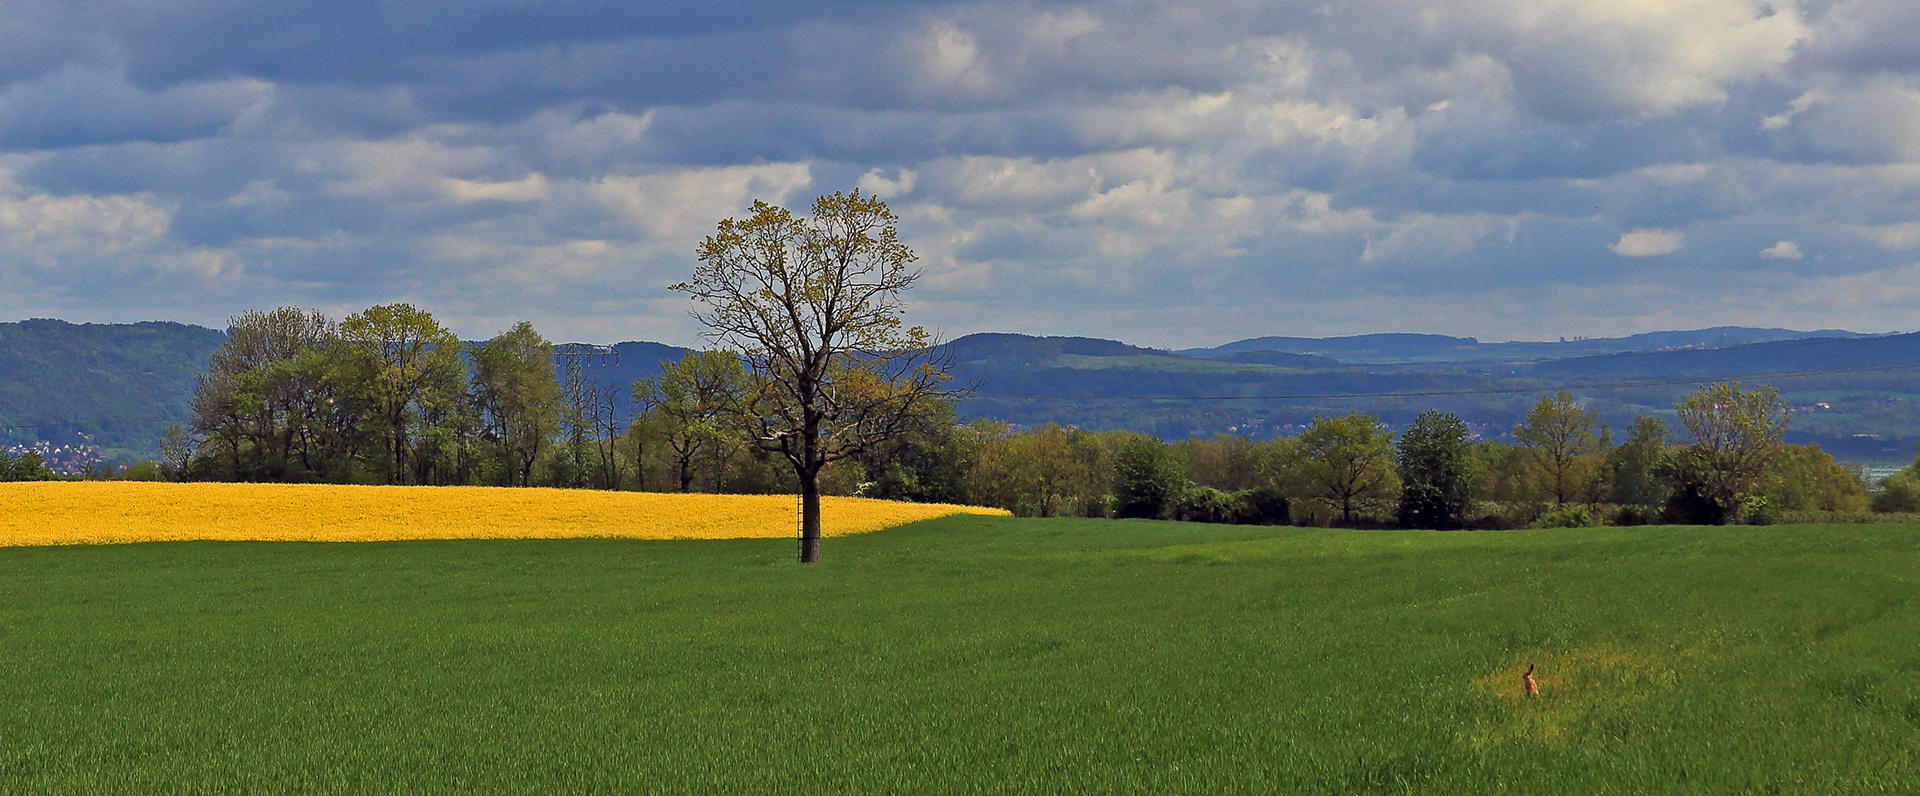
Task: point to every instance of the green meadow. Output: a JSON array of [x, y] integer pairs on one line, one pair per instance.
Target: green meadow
[[974, 655]]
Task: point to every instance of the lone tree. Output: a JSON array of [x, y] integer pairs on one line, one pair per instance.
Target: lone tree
[[1736, 439], [1559, 432], [1349, 460], [1436, 472], [812, 305]]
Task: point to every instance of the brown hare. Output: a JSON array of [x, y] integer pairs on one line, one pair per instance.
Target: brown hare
[[1533, 688]]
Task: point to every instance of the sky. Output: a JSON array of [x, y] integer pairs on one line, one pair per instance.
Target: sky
[[1171, 173]]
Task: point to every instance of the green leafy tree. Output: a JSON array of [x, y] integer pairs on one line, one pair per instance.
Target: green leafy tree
[[258, 391], [1224, 461], [990, 468], [1736, 435], [1899, 492], [27, 466], [1278, 465], [930, 465], [1504, 473], [1056, 464], [1636, 465], [410, 370], [686, 409], [1148, 477], [517, 398], [814, 306], [1348, 459], [1559, 433], [1436, 472], [1806, 478]]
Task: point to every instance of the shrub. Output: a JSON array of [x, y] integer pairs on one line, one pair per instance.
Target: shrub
[[1265, 506], [1204, 504], [1569, 516], [1147, 479], [1899, 492], [1636, 515], [148, 470], [1259, 506], [1689, 506]]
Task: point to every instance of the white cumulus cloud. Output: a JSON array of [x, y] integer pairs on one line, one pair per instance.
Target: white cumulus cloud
[[1649, 243]]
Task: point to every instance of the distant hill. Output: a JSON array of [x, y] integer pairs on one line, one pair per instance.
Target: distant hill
[[1366, 346], [114, 385], [1812, 353], [1384, 349], [1020, 349]]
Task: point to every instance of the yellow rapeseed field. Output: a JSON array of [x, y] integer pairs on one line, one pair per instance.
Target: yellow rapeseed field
[[108, 512]]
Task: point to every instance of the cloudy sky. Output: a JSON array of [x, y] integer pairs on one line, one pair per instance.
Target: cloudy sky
[[1170, 173]]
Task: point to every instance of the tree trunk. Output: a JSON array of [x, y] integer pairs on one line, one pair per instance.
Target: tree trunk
[[810, 517]]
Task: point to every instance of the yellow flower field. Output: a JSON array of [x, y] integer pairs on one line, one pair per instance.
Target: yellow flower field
[[109, 512]]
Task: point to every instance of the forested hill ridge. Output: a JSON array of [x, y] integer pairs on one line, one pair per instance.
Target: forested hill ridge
[[113, 385], [1380, 349], [121, 384]]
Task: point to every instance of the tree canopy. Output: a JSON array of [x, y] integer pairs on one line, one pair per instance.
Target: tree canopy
[[813, 305], [1736, 434]]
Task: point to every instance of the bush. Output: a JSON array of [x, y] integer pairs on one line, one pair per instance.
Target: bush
[[1494, 521], [1204, 504], [1147, 479], [1757, 510], [1636, 515], [1899, 492], [148, 470], [1260, 506], [1688, 506], [1265, 506], [1099, 506], [1569, 517]]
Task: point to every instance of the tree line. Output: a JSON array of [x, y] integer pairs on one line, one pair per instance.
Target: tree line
[[1724, 462], [388, 395]]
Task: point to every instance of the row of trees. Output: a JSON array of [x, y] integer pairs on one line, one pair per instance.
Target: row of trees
[[1728, 465], [389, 396]]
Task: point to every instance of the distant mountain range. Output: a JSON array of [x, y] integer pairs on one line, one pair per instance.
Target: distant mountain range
[[1385, 349], [1859, 395]]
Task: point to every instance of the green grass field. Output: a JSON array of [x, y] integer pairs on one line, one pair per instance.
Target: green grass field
[[973, 655]]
